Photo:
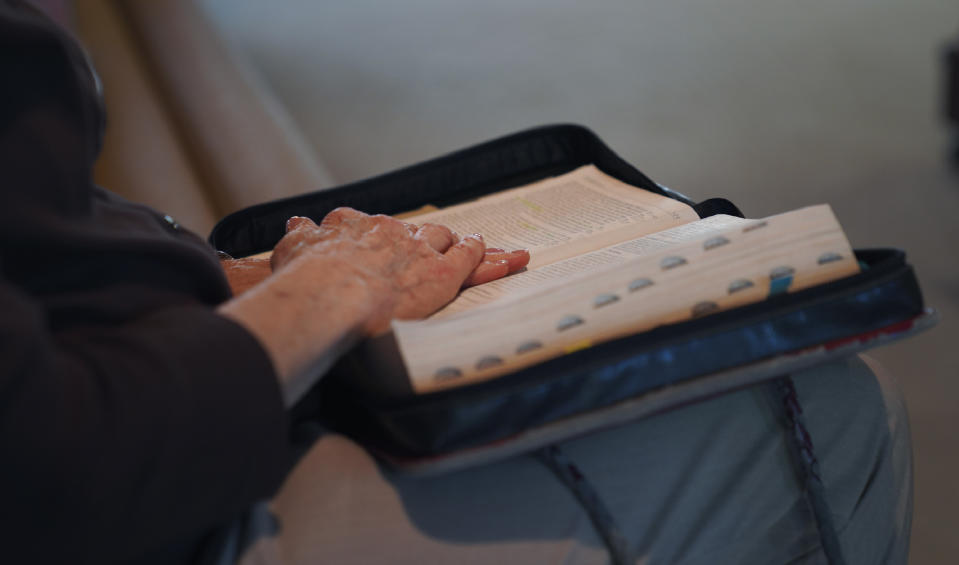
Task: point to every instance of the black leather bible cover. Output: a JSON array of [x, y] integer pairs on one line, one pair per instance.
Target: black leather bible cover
[[603, 385]]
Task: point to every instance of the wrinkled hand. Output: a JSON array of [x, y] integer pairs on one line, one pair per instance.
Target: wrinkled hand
[[334, 283], [407, 271], [244, 274]]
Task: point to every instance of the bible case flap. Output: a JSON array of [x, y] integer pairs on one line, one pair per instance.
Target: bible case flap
[[603, 385]]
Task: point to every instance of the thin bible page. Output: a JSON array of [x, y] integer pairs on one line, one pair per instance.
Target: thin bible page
[[591, 262], [564, 216]]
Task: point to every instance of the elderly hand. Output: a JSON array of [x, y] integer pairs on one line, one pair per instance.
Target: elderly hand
[[243, 274], [410, 271], [348, 277]]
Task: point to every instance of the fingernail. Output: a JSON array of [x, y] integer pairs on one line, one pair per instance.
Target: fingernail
[[477, 236]]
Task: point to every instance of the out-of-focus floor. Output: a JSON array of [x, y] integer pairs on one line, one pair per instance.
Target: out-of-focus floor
[[771, 104]]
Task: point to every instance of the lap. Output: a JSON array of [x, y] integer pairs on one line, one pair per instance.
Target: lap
[[710, 482]]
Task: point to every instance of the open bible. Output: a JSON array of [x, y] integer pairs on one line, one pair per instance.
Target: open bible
[[608, 260], [634, 303]]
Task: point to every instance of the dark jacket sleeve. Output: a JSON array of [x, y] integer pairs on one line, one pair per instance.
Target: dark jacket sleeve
[[121, 440], [132, 416]]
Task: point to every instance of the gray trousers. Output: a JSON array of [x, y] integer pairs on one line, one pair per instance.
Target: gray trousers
[[707, 483]]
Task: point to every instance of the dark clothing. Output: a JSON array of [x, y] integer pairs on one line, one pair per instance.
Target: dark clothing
[[133, 418]]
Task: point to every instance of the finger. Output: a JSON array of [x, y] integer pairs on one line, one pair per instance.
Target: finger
[[466, 255], [388, 226], [297, 222], [487, 271], [341, 215], [494, 250], [517, 259], [438, 237]]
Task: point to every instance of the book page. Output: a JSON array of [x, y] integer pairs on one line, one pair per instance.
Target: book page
[[591, 262], [732, 267], [559, 217], [564, 216]]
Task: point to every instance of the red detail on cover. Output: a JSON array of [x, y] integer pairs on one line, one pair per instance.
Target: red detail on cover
[[866, 337]]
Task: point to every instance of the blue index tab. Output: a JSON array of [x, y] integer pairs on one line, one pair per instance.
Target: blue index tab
[[779, 280], [779, 286]]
